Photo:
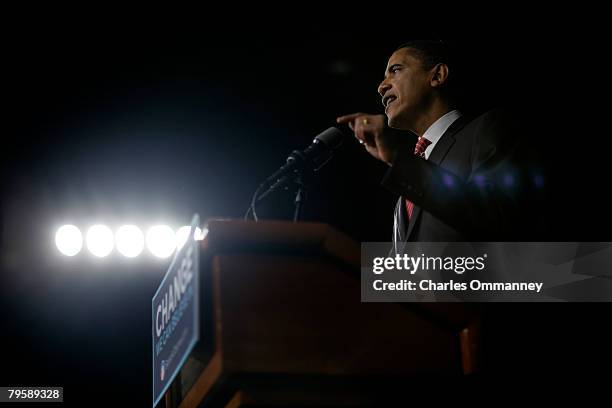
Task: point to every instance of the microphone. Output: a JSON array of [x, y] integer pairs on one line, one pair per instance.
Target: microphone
[[312, 158]]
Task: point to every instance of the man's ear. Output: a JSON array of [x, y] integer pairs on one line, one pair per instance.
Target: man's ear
[[439, 75]]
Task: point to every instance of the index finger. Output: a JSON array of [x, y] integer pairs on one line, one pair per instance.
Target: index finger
[[349, 118]]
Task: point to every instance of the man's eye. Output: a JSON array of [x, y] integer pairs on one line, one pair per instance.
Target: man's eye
[[395, 69]]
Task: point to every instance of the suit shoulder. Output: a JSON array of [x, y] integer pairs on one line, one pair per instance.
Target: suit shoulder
[[493, 126], [491, 135], [493, 118]]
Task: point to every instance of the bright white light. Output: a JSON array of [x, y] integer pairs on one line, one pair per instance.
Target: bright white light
[[183, 232], [161, 241], [200, 234], [129, 240], [69, 240], [100, 240]]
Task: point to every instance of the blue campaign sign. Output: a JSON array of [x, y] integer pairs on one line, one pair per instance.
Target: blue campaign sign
[[175, 315]]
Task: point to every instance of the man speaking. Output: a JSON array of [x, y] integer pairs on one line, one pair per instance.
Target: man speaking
[[463, 180]]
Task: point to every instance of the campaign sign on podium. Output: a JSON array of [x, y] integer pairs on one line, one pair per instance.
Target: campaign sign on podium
[[175, 315]]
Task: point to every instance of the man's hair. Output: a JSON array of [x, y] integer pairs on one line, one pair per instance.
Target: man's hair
[[432, 52]]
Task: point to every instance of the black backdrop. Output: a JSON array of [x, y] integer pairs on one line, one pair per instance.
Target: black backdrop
[[127, 123]]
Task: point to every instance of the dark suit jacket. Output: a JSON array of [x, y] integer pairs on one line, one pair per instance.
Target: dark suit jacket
[[468, 190]]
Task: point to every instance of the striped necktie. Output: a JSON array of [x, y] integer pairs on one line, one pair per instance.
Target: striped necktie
[[419, 150]]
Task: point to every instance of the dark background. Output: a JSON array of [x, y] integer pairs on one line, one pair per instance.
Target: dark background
[[122, 123]]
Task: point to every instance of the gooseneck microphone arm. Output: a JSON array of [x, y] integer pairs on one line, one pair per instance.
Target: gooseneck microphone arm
[[298, 166]]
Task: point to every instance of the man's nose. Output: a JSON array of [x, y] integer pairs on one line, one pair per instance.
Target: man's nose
[[383, 88]]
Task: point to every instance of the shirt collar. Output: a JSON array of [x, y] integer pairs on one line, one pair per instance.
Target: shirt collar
[[437, 129]]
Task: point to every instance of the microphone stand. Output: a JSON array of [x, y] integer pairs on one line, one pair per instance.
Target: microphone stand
[[300, 179], [300, 196], [300, 166]]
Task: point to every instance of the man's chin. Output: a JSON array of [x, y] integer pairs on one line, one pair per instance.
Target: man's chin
[[398, 122], [392, 122]]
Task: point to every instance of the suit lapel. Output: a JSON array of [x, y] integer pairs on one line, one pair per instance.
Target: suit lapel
[[437, 156], [446, 141], [401, 219]]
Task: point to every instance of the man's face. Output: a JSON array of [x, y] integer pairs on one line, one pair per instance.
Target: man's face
[[405, 90]]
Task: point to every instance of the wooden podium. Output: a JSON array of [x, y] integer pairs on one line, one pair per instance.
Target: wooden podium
[[282, 324]]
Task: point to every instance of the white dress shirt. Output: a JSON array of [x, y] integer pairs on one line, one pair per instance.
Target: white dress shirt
[[437, 129]]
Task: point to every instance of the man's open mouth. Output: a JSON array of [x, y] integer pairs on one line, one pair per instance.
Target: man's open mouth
[[388, 100]]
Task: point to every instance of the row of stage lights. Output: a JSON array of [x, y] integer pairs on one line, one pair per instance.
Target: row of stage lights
[[129, 240]]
